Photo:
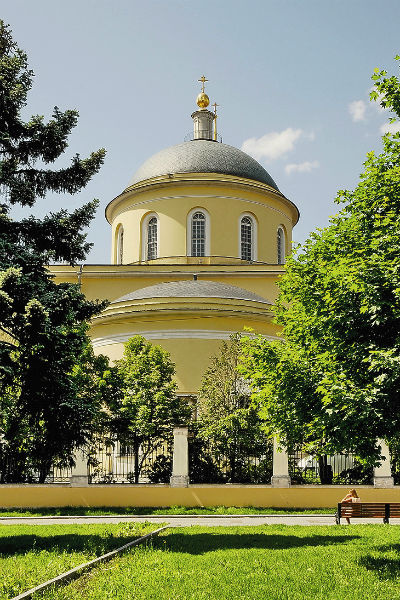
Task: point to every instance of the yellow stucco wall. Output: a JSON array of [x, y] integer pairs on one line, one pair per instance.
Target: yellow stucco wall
[[24, 496], [224, 198]]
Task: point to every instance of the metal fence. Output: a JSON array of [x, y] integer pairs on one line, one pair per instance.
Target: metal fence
[[11, 473], [119, 463], [340, 469], [237, 463]]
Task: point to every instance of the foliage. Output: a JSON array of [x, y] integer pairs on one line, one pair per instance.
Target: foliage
[[334, 385], [228, 421], [147, 409], [46, 405]]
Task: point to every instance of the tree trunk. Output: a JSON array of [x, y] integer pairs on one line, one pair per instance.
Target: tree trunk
[[325, 470]]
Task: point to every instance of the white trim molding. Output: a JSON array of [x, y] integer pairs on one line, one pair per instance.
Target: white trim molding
[[175, 334]]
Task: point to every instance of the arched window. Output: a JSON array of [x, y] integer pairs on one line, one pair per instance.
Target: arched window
[[120, 246], [246, 238], [280, 243], [150, 237], [198, 234], [151, 250]]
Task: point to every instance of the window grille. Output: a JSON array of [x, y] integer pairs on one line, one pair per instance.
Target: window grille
[[198, 234], [281, 246], [120, 246], [246, 238], [152, 239]]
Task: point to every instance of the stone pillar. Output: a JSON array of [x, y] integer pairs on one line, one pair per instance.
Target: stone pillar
[[180, 458], [383, 474], [79, 475], [280, 468]]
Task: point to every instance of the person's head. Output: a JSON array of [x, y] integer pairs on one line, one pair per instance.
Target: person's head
[[353, 493]]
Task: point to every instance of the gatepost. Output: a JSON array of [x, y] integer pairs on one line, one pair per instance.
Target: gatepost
[[383, 474], [280, 467], [180, 458], [79, 475]]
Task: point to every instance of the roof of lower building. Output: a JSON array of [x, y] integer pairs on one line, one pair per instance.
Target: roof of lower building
[[193, 289], [203, 156]]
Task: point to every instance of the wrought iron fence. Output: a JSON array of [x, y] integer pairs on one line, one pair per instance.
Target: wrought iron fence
[[11, 472], [339, 469], [239, 463], [120, 463]]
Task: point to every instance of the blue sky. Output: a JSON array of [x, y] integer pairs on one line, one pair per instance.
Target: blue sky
[[292, 79]]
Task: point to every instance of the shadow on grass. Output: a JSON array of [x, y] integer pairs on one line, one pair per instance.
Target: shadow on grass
[[385, 568], [91, 543], [201, 543]]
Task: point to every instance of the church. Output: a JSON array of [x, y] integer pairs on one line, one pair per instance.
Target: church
[[198, 240]]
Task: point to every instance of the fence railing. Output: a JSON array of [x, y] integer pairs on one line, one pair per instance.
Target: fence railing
[[339, 469], [237, 463], [121, 463]]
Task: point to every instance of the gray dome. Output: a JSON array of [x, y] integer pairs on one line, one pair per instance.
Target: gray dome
[[203, 156], [192, 289]]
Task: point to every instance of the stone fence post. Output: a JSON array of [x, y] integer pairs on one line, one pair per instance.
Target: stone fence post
[[79, 475], [280, 468], [383, 474], [180, 458]]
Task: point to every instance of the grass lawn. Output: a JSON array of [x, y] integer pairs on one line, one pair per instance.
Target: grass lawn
[[276, 562], [170, 510], [32, 554]]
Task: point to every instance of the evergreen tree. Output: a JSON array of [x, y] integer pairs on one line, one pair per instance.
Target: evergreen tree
[[44, 412]]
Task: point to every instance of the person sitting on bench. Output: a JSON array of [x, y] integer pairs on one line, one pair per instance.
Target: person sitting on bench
[[352, 496]]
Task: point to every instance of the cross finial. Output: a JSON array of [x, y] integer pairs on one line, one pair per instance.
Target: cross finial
[[215, 108], [202, 80]]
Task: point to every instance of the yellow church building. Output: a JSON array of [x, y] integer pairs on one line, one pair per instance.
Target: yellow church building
[[198, 241]]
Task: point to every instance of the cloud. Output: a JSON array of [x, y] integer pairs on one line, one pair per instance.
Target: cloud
[[390, 128], [304, 167], [272, 145], [357, 110]]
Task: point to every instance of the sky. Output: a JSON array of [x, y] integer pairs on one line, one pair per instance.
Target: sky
[[291, 77]]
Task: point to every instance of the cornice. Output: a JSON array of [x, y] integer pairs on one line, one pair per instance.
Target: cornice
[[199, 179]]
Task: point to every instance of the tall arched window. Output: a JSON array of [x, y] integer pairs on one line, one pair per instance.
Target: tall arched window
[[120, 246], [246, 238], [198, 234], [151, 250], [280, 243]]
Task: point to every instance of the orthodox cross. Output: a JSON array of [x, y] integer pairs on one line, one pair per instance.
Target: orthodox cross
[[215, 108], [202, 80]]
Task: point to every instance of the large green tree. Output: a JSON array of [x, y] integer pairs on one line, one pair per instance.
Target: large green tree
[[146, 408], [334, 383], [44, 413], [228, 420]]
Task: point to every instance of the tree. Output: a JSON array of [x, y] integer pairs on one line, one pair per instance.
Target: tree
[[44, 414], [334, 384], [146, 411], [227, 418]]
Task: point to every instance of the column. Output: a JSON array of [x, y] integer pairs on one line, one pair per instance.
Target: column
[[383, 474], [79, 475], [280, 468], [180, 458]]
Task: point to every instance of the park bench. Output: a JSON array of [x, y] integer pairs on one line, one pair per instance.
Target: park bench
[[367, 510]]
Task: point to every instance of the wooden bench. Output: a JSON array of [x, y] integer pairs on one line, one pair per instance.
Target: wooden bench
[[367, 510]]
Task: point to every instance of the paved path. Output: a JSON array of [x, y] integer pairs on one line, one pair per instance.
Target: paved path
[[189, 520]]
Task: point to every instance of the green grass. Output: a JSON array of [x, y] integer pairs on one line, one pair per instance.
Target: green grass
[[171, 510], [277, 562], [30, 555]]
